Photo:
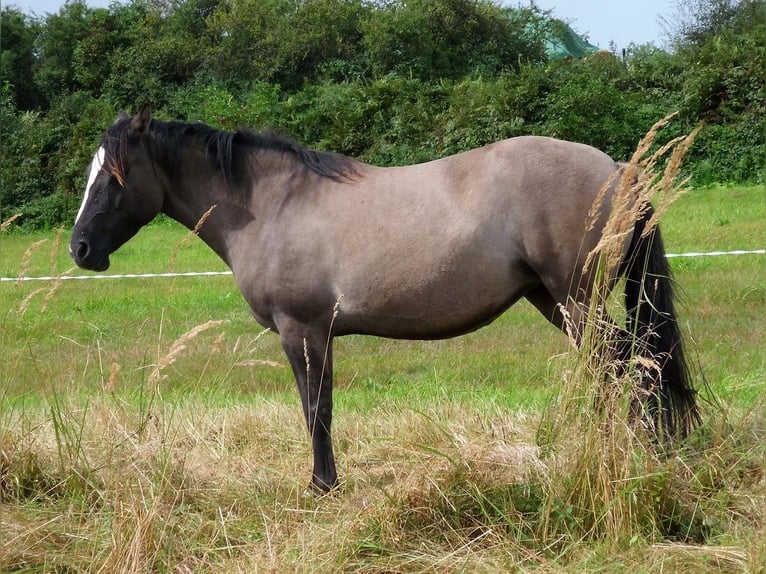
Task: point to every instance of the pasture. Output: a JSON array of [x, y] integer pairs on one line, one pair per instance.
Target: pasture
[[136, 435]]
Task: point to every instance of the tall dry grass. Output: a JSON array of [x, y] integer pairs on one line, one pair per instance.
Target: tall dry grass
[[178, 346], [195, 487], [186, 239], [611, 479], [609, 472]]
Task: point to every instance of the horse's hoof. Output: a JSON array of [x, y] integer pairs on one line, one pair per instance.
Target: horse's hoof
[[315, 490]]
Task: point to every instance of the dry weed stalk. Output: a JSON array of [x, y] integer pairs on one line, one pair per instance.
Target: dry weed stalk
[[252, 344], [639, 189], [142, 517], [258, 363], [114, 373], [24, 267], [26, 259], [217, 344], [178, 347], [27, 300], [8, 222], [186, 239], [55, 284], [54, 250], [668, 189]]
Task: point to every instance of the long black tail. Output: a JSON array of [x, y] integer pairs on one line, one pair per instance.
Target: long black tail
[[653, 328]]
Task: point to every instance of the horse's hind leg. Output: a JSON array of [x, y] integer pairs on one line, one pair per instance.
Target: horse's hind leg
[[563, 312], [570, 317]]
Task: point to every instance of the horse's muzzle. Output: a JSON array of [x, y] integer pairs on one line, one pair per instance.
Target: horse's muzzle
[[86, 257]]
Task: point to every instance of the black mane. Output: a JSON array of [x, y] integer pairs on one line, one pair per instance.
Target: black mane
[[226, 151]]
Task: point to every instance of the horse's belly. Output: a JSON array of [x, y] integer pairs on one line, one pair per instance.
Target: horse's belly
[[440, 303]]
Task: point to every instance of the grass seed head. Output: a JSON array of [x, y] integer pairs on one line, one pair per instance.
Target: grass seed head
[[8, 222], [26, 259], [178, 347]]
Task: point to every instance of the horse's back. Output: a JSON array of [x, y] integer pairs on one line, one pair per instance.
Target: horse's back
[[536, 175], [534, 193]]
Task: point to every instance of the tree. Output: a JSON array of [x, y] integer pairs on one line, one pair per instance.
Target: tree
[[163, 47], [697, 21], [288, 42], [17, 60], [59, 37], [433, 39]]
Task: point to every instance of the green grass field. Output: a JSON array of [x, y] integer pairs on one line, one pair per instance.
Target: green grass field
[[106, 465]]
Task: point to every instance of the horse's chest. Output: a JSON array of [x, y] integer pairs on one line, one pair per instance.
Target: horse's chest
[[264, 320], [256, 297]]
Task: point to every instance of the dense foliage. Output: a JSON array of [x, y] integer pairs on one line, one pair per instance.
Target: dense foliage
[[395, 81]]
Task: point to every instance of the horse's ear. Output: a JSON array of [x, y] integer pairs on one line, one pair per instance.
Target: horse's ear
[[121, 116], [140, 121]]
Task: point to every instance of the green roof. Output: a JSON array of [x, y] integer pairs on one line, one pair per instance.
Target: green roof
[[566, 43]]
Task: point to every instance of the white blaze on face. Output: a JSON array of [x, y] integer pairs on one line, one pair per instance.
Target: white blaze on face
[[95, 168]]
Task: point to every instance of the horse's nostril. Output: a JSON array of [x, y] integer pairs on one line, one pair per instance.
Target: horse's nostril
[[82, 250]]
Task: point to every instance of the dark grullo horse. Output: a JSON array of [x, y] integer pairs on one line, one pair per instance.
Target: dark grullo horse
[[322, 245]]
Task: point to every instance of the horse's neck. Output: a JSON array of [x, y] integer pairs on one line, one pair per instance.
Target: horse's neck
[[196, 202], [200, 199]]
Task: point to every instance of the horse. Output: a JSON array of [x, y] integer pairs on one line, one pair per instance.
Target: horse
[[322, 245]]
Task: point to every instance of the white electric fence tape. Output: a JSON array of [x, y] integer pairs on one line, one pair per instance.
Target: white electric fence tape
[[716, 253]]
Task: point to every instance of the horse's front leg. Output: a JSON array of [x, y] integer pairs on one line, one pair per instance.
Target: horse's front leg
[[310, 354]]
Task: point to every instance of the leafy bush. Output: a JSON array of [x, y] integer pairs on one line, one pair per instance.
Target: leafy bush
[[433, 39], [730, 153]]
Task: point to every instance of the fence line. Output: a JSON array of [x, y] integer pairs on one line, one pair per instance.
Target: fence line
[[121, 276], [219, 273], [716, 253]]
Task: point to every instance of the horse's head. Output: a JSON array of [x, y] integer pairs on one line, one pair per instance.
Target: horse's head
[[121, 196]]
